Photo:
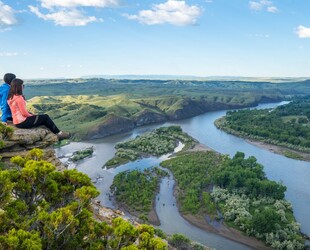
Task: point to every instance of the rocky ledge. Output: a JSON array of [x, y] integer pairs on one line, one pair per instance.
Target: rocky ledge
[[23, 140]]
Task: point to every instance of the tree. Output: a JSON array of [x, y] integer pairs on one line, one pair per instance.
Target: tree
[[266, 220], [41, 208], [181, 242]]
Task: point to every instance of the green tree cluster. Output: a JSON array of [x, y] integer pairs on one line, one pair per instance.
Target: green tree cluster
[[136, 190], [287, 125], [81, 154], [191, 171], [239, 191], [41, 208], [158, 142], [239, 172]]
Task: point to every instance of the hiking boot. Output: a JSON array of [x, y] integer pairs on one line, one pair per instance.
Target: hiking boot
[[63, 135]]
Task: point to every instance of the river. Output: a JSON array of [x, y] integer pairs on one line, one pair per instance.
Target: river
[[294, 174]]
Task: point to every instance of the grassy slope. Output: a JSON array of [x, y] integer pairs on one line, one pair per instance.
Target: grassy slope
[[81, 105]]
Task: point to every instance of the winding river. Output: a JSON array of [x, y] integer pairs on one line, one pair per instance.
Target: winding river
[[294, 174]]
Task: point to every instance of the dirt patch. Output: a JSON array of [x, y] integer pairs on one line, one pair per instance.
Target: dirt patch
[[153, 218], [199, 147], [278, 149], [226, 232]]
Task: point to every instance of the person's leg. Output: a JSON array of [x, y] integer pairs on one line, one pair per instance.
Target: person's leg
[[38, 120]]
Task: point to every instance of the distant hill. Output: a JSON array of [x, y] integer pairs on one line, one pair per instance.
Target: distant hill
[[199, 78], [93, 108]]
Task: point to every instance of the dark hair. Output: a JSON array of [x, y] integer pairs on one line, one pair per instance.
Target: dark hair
[[16, 88], [8, 78]]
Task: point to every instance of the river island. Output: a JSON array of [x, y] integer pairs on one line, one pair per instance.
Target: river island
[[227, 196]]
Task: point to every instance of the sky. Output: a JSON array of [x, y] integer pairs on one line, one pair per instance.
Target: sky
[[74, 38]]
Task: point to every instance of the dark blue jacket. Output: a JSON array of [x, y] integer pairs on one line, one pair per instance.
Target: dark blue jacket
[[4, 92]]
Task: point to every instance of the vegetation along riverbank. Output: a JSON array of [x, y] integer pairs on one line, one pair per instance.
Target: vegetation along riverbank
[[156, 143], [96, 108], [284, 130], [135, 192], [228, 196], [214, 190]]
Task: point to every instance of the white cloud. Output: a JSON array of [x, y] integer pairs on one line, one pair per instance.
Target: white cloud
[[255, 5], [263, 5], [174, 12], [70, 12], [9, 54], [78, 3], [303, 32], [64, 17], [7, 17], [272, 9]]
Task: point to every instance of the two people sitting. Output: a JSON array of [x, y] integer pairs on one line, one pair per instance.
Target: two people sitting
[[13, 107]]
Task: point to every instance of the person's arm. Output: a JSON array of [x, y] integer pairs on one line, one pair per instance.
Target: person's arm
[[5, 107], [22, 106]]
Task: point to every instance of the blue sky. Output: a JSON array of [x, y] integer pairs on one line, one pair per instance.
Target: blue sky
[[73, 38]]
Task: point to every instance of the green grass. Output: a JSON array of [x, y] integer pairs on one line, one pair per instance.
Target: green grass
[[293, 155], [82, 105]]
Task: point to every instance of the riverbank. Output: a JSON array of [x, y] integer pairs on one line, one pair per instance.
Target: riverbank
[[280, 150], [152, 217], [220, 228], [277, 149], [227, 232], [295, 174]]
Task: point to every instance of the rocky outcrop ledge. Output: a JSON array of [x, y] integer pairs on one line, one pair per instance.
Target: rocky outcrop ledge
[[23, 140]]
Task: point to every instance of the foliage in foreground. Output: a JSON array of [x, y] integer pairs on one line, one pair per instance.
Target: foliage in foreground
[[5, 131], [158, 142], [181, 242], [240, 191], [41, 208], [136, 190]]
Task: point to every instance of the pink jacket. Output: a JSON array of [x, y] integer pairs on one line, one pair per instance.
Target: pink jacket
[[18, 108]]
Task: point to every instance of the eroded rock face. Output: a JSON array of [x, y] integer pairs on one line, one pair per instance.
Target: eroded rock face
[[147, 117], [23, 140], [113, 125]]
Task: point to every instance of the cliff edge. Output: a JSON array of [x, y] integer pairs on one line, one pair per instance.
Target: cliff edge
[[21, 141]]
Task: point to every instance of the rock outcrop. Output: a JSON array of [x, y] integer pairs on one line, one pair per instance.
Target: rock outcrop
[[147, 117], [113, 125], [23, 140]]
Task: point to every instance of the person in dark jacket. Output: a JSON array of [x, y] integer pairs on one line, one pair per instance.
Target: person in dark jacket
[[4, 92]]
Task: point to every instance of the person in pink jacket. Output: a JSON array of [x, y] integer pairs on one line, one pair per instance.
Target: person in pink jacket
[[22, 118]]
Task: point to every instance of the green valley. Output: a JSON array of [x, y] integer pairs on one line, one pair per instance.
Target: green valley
[[95, 108]]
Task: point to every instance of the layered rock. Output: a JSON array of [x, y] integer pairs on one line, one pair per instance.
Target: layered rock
[[113, 125], [23, 140], [147, 117]]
